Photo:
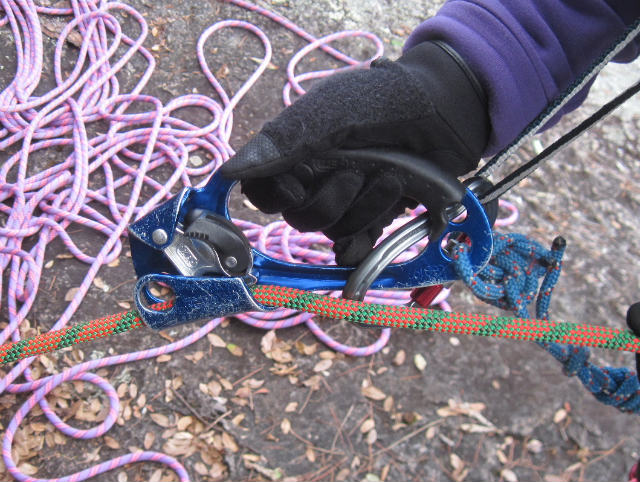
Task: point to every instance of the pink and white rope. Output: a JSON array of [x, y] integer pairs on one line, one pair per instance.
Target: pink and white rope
[[99, 185]]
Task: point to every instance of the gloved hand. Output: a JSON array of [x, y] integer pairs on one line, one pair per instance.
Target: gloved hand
[[427, 102]]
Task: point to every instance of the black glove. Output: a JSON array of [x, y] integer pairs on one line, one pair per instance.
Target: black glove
[[427, 102]]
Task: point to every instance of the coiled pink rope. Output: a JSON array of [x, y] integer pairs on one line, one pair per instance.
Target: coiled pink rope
[[44, 204]]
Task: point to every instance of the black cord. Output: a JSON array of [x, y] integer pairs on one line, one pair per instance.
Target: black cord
[[519, 174]]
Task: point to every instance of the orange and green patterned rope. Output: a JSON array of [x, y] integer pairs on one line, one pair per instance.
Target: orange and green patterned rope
[[354, 311], [448, 322], [58, 339]]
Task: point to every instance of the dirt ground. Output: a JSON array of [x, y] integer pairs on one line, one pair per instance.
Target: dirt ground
[[242, 407]]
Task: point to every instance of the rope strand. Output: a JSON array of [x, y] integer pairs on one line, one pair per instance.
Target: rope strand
[[373, 314]]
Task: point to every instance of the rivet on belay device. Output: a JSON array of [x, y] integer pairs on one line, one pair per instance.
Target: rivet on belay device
[[633, 322]]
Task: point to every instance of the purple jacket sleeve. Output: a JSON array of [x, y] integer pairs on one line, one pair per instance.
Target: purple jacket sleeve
[[525, 52]]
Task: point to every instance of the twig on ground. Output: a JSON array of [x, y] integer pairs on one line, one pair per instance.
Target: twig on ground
[[408, 436], [339, 432], [188, 405], [248, 375]]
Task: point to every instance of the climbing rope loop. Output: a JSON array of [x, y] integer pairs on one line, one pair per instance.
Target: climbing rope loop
[[99, 182], [42, 206], [522, 271]]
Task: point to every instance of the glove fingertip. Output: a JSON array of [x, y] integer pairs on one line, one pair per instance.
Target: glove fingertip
[[254, 159]]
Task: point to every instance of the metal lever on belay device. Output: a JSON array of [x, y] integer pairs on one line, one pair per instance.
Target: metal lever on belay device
[[190, 245]]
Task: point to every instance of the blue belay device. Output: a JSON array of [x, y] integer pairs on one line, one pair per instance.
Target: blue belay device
[[190, 245]]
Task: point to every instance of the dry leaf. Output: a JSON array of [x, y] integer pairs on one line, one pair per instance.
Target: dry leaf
[[475, 428], [310, 454], [181, 443], [149, 438], [243, 392], [464, 408], [111, 442], [163, 358], [328, 355], [237, 420], [456, 462], [291, 407], [176, 382], [281, 356], [222, 72], [509, 475], [215, 388], [184, 422], [226, 384], [399, 358], [253, 383], [559, 416], [38, 426], [201, 468], [373, 393], [534, 446], [27, 468], [372, 436], [161, 419], [216, 340], [267, 341], [217, 470], [251, 458], [323, 365], [229, 443], [121, 390], [124, 304], [48, 264], [419, 362], [367, 425], [313, 382], [460, 472], [271, 474], [234, 349], [100, 284], [305, 349], [387, 405], [195, 357], [156, 476], [71, 293], [285, 426]]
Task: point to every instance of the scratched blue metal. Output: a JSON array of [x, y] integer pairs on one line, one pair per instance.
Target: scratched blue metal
[[209, 297], [196, 298]]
